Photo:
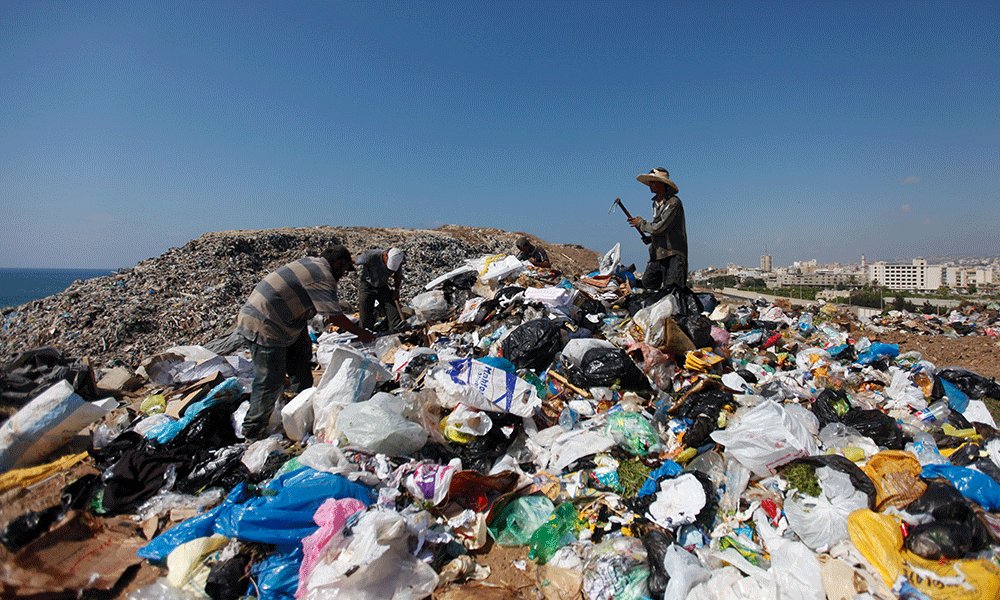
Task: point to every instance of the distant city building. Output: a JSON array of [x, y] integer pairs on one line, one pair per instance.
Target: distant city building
[[765, 263], [817, 279], [917, 275]]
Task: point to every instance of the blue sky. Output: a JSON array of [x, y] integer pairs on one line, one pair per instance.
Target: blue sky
[[814, 129]]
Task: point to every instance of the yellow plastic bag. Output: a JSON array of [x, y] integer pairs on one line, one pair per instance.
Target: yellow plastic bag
[[32, 475], [879, 539]]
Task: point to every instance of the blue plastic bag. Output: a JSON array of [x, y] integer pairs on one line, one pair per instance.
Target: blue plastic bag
[[652, 484], [876, 351], [202, 525], [957, 400], [974, 485], [283, 514], [277, 576], [227, 389]]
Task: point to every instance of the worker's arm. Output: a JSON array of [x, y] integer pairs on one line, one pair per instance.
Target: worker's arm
[[344, 324], [398, 279], [662, 222]]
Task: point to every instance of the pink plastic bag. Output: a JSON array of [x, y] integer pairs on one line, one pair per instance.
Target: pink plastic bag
[[331, 517]]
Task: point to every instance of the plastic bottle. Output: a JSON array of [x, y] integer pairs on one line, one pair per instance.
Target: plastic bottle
[[925, 449], [568, 418], [805, 322], [936, 412]]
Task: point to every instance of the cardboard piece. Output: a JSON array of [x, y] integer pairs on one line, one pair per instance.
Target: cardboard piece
[[80, 553]]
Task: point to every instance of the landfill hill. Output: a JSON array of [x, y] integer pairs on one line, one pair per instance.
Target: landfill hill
[[191, 294]]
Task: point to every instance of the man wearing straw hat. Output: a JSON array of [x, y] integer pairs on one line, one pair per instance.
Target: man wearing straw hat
[[667, 233]]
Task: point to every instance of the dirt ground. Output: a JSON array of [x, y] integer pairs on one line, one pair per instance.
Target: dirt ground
[[975, 353]]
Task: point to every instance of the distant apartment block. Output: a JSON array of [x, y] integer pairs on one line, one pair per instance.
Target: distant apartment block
[[816, 279], [765, 263], [918, 275]]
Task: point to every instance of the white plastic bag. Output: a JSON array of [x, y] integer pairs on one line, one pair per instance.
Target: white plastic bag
[[611, 260], [473, 382], [376, 564], [766, 437], [430, 306], [573, 351], [821, 522], [469, 421], [794, 566], [685, 571], [378, 426], [46, 423], [297, 415], [257, 454], [651, 319], [350, 377], [678, 502]]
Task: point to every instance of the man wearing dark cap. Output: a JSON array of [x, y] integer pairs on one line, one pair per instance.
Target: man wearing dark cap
[[667, 233], [274, 319]]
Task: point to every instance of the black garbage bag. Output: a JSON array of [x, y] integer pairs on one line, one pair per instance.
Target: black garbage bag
[[222, 468], [605, 367], [940, 539], [210, 429], [703, 408], [698, 329], [589, 313], [656, 543], [877, 425], [142, 472], [708, 301], [974, 385], [228, 580], [24, 529], [34, 371], [747, 376], [533, 345], [508, 295], [941, 500], [826, 404]]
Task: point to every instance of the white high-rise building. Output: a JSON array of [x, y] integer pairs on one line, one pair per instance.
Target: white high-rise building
[[917, 275], [765, 263]]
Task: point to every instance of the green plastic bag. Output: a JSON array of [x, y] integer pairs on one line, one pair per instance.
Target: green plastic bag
[[560, 530], [515, 523], [635, 433]]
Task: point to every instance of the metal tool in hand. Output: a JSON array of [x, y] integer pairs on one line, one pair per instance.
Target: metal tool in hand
[[618, 202]]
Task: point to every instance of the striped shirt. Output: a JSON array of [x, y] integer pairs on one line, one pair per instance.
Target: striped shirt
[[279, 307]]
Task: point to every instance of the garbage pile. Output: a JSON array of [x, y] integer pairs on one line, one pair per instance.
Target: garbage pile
[[625, 444], [968, 319], [191, 294]]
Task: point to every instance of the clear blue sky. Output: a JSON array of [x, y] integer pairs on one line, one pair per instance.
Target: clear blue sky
[[815, 129]]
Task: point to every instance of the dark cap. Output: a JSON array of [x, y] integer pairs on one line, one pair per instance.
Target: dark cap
[[338, 252]]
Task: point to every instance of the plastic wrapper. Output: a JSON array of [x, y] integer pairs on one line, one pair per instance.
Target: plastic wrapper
[[430, 306], [163, 503], [514, 524], [634, 432], [821, 521], [255, 457], [479, 385], [350, 377], [375, 563], [558, 531], [378, 426], [330, 517], [616, 568], [430, 482]]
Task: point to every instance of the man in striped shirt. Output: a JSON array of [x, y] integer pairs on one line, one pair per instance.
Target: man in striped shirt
[[274, 319]]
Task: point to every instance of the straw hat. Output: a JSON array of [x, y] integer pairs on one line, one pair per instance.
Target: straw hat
[[658, 174]]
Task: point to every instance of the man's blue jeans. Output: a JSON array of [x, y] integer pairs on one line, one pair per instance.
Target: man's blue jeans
[[270, 364]]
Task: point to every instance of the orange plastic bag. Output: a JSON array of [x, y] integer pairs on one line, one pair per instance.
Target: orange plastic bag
[[896, 476]]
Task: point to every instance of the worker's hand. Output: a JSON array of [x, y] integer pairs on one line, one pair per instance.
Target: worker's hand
[[635, 221]]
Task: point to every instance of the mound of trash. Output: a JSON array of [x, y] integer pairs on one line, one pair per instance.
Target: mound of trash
[[616, 442], [191, 294]]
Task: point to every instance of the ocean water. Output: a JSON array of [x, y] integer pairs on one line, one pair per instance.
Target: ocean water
[[18, 286]]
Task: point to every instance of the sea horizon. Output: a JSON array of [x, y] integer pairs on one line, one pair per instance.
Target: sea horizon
[[19, 285]]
